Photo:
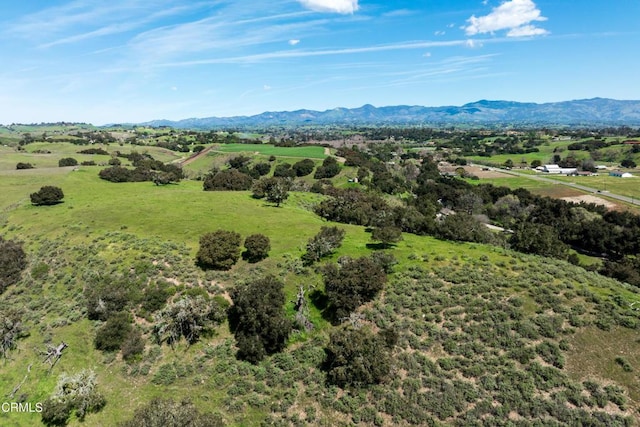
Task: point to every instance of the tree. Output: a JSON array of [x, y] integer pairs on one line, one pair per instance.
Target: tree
[[329, 169], [386, 235], [258, 318], [303, 167], [351, 284], [113, 333], [276, 190], [628, 163], [262, 168], [539, 239], [324, 243], [12, 261], [72, 393], [21, 165], [508, 164], [189, 317], [357, 357], [169, 413], [535, 163], [257, 247], [219, 250], [228, 180], [11, 329], [67, 161], [284, 170], [47, 195]]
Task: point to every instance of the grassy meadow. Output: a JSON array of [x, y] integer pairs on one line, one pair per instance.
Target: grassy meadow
[[484, 332]]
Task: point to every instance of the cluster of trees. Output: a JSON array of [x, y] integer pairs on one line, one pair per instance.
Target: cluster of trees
[[274, 190], [47, 195], [145, 169], [220, 250]]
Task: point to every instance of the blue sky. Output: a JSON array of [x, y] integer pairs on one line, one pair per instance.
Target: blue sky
[[119, 61]]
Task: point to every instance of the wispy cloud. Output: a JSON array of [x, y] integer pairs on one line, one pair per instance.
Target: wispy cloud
[[294, 42], [81, 20], [334, 6], [516, 16]]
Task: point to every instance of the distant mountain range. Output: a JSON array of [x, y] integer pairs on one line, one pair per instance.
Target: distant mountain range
[[584, 112]]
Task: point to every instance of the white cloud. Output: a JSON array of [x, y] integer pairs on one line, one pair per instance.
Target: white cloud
[[472, 44], [439, 33], [427, 55], [526, 30], [266, 87], [294, 42], [513, 15], [336, 6]]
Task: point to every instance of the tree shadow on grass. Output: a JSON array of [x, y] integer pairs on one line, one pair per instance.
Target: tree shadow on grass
[[320, 300], [378, 246]]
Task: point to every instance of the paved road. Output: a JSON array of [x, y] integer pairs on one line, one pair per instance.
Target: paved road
[[620, 197]]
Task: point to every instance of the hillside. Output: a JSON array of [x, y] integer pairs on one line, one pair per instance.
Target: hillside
[[579, 113], [484, 334]]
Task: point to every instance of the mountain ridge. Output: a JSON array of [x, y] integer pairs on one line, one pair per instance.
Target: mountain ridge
[[581, 112]]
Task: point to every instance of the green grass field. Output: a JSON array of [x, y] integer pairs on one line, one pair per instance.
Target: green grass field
[[310, 152]]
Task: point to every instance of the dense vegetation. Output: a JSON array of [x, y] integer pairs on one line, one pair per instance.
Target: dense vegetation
[[384, 300]]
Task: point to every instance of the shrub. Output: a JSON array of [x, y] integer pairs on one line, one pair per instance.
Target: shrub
[[386, 235], [257, 247], [356, 357], [262, 169], [67, 161], [47, 195], [303, 167], [169, 413], [21, 165], [352, 284], [258, 319], [329, 169], [227, 180], [133, 346], [219, 250], [113, 333], [72, 393], [11, 329], [106, 296], [12, 261], [189, 318], [276, 190], [284, 170], [324, 243]]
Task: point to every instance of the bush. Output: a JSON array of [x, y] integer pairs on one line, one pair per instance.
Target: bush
[[258, 319], [11, 329], [352, 284], [12, 261], [67, 161], [189, 318], [228, 180], [284, 170], [113, 333], [303, 167], [133, 346], [329, 169], [72, 393], [257, 247], [276, 190], [219, 250], [262, 169], [169, 413], [386, 235], [356, 357], [21, 165], [47, 195], [324, 243]]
